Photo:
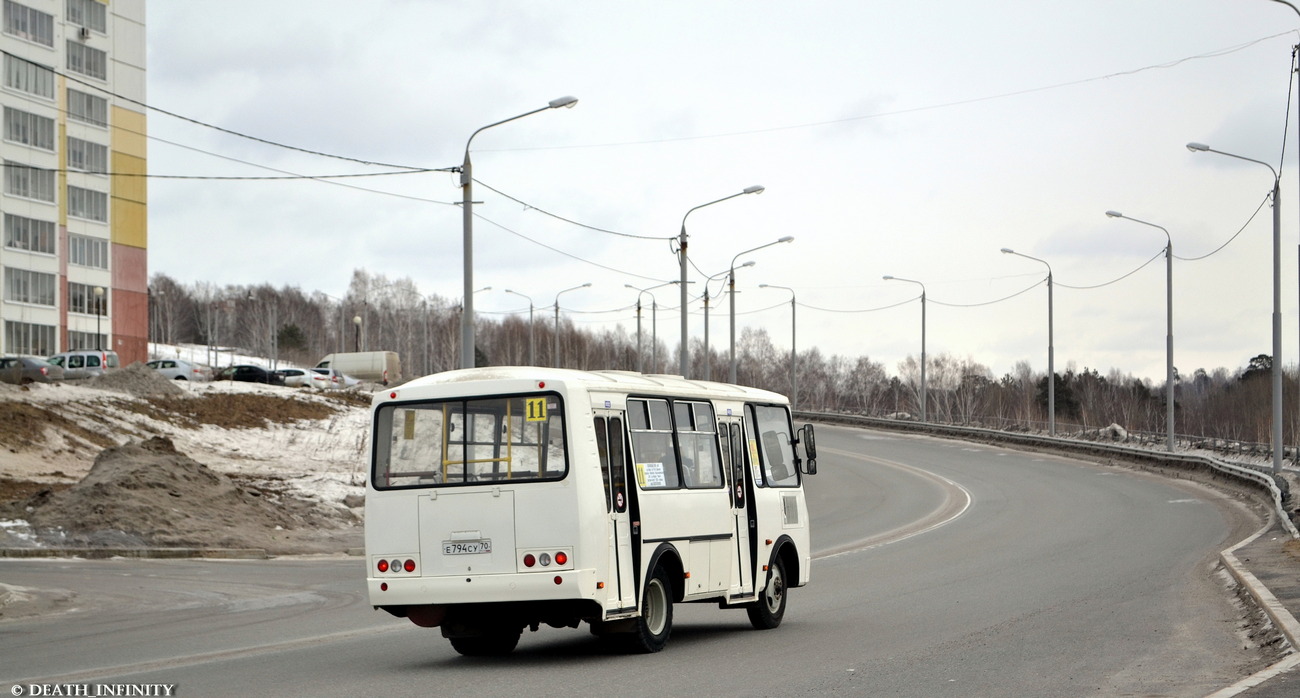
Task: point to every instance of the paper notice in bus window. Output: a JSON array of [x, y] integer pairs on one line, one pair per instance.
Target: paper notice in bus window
[[650, 475], [408, 425], [754, 462]]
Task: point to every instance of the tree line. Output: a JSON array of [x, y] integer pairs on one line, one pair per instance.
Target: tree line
[[376, 313]]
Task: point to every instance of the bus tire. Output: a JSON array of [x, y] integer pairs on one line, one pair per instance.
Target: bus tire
[[655, 623], [495, 645], [766, 613]]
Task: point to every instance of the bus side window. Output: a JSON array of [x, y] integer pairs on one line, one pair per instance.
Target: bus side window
[[653, 448]]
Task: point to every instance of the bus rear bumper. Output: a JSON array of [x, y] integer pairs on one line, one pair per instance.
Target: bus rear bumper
[[487, 588]]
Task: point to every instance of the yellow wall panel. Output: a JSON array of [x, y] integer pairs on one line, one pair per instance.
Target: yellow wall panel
[[129, 130], [126, 185], [130, 223]]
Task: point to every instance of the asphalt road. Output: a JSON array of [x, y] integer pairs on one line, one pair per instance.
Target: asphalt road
[[942, 569]]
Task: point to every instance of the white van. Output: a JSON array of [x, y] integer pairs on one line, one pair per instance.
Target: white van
[[85, 363], [379, 366]]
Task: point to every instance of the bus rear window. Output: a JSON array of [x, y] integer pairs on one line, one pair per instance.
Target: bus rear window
[[470, 442]]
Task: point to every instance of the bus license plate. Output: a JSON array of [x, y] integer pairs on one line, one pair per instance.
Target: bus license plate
[[466, 547]]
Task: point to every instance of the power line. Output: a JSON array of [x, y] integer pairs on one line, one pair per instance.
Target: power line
[[182, 117], [569, 221], [144, 175], [932, 107]]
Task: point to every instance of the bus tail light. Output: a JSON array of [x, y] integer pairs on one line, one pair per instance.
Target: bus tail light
[[529, 560], [383, 565], [409, 565], [561, 558]]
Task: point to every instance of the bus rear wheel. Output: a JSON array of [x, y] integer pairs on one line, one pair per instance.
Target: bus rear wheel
[[495, 645], [655, 623], [766, 613]]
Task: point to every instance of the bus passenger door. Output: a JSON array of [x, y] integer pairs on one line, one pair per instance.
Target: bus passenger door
[[734, 461], [621, 584]]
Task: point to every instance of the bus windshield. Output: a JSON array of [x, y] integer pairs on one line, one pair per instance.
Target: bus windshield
[[474, 441]]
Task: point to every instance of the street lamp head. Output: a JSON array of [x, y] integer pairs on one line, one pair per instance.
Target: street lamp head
[[356, 320], [788, 238], [586, 285], [750, 263], [1114, 214], [566, 102], [756, 189], [887, 277], [1195, 147], [1008, 250]]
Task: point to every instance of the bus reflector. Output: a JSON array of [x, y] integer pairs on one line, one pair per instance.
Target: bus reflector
[[541, 384], [558, 579], [409, 566], [561, 558], [529, 560], [600, 585], [393, 395], [383, 565], [383, 586]]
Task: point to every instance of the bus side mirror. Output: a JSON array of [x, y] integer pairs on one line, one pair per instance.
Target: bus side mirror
[[809, 442]]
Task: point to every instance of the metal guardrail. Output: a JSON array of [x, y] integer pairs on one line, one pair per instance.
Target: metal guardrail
[[1277, 489]]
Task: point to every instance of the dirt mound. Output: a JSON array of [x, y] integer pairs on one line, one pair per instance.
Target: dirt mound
[[136, 379], [148, 494]]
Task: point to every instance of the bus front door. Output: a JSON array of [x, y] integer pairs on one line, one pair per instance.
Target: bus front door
[[613, 454], [735, 464]]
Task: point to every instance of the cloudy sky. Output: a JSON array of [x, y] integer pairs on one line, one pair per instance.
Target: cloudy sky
[[912, 139]]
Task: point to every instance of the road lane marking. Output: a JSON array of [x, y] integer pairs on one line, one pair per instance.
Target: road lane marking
[[957, 501]]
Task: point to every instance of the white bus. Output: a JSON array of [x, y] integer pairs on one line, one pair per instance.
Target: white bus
[[506, 498]]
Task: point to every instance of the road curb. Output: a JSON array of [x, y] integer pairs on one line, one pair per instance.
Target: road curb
[[160, 553], [1276, 612]]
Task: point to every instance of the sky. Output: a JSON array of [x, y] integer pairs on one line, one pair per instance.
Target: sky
[[892, 138]]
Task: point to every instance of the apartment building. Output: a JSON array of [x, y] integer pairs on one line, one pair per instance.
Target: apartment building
[[73, 198]]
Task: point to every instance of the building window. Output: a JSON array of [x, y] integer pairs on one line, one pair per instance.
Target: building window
[[27, 23], [29, 234], [87, 156], [85, 251], [29, 129], [85, 340], [26, 286], [26, 338], [29, 77], [88, 204], [87, 13], [29, 182], [87, 108], [86, 60], [82, 299]]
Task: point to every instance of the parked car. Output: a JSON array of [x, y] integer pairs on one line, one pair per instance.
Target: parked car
[[336, 379], [249, 374], [85, 363], [304, 378], [181, 370], [21, 370]]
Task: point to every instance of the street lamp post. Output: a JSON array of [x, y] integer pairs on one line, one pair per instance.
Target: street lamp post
[[731, 288], [1169, 325], [557, 319], [99, 314], [467, 224], [794, 356], [532, 355], [681, 255], [708, 359], [918, 283], [1277, 298], [654, 329], [1051, 349]]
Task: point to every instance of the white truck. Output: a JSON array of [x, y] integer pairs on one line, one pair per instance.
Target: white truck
[[378, 366]]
